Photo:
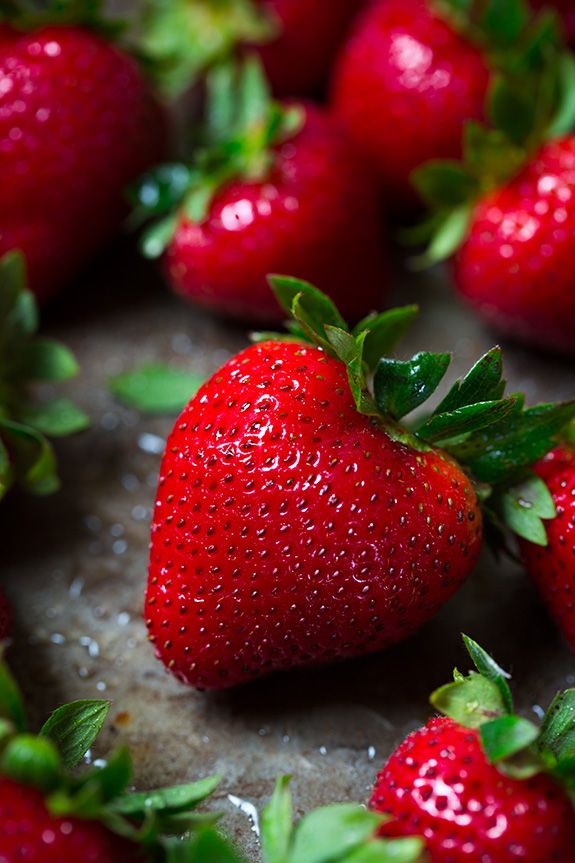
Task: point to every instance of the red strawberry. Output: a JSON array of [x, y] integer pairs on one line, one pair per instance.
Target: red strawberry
[[515, 266], [4, 616], [77, 123], [404, 85], [298, 61], [553, 566], [457, 782], [49, 815], [292, 527], [287, 195]]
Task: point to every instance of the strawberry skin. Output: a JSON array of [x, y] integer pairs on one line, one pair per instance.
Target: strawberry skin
[[404, 86], [439, 785], [290, 530], [315, 217], [29, 832], [553, 566], [77, 123], [516, 266], [299, 60]]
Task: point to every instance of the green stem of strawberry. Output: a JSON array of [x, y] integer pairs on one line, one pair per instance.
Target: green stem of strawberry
[[493, 436]]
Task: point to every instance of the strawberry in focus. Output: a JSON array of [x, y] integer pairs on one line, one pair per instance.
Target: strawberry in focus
[[277, 187], [77, 124], [404, 86], [481, 783], [298, 521], [553, 567]]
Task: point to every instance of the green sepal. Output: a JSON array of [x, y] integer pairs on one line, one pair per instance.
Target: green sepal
[[443, 427], [73, 728], [400, 386], [33, 14], [32, 761], [524, 507], [276, 823], [156, 388], [557, 738], [11, 703], [183, 40], [470, 701], [165, 801], [483, 382], [59, 417], [32, 458], [506, 736], [491, 670]]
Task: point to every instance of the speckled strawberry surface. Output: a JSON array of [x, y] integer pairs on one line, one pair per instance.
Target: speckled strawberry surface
[[299, 60], [315, 217], [553, 566], [77, 123], [438, 784], [28, 832], [404, 85], [516, 266], [290, 530]]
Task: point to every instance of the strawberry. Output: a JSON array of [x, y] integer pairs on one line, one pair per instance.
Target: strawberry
[[77, 123], [553, 566], [4, 616], [296, 41], [51, 815], [404, 85], [362, 528], [278, 187], [482, 783], [26, 456]]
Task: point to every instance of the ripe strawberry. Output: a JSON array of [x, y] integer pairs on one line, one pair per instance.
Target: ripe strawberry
[[4, 616], [297, 522], [515, 265], [77, 123], [279, 188], [553, 566], [484, 784], [404, 86], [26, 456], [49, 815]]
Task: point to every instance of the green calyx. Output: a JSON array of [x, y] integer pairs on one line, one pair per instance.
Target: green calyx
[[26, 456], [243, 125], [518, 747], [493, 436], [44, 761], [531, 99], [184, 39], [33, 14]]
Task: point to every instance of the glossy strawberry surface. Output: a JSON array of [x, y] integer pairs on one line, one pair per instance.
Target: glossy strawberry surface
[[516, 266], [439, 785], [28, 832], [553, 566], [404, 86], [77, 123], [298, 61], [316, 217], [290, 530]]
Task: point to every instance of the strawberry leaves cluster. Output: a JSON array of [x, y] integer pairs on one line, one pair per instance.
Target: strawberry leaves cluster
[[44, 761], [518, 747], [493, 436], [32, 14], [26, 456], [530, 100], [243, 124]]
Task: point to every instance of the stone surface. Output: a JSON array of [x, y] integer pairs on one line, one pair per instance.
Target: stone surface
[[74, 567]]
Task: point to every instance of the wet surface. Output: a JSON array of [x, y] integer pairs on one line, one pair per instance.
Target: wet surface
[[74, 567]]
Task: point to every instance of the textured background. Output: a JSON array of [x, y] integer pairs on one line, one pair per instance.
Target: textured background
[[74, 567]]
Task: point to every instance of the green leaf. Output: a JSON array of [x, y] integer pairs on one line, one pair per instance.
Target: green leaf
[[402, 385], [158, 191], [482, 383], [74, 727], [32, 761], [253, 94], [489, 154], [471, 418], [168, 801], [449, 236], [563, 122], [208, 846], [276, 823], [506, 736], [523, 506], [470, 701], [94, 789], [488, 667], [514, 113], [48, 360], [57, 418], [33, 458], [445, 183], [408, 850], [557, 734], [11, 703], [158, 236], [384, 331], [350, 351], [156, 388], [332, 832], [313, 309], [503, 21]]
